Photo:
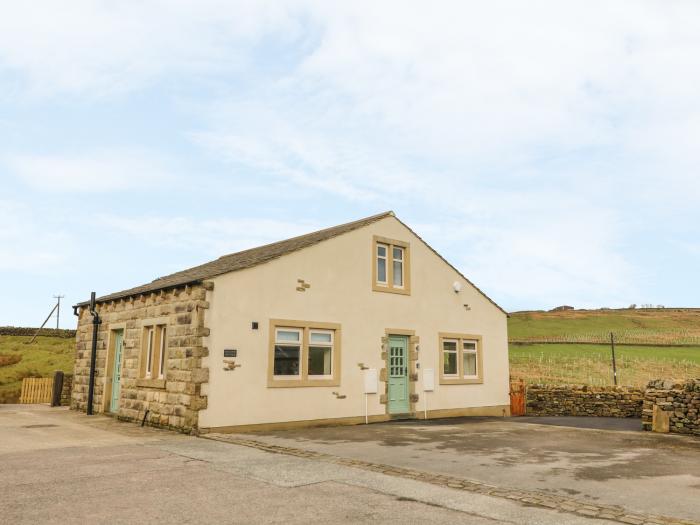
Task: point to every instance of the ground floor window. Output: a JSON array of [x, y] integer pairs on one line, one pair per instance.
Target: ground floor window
[[288, 344], [304, 353], [461, 359], [154, 351]]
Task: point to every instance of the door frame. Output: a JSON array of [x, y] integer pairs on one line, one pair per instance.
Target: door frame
[[412, 357], [106, 403]]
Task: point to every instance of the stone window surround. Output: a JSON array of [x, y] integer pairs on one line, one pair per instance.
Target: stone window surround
[[460, 379], [151, 382], [304, 380], [389, 287]]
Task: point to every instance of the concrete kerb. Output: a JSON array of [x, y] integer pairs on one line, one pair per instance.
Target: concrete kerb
[[529, 498]]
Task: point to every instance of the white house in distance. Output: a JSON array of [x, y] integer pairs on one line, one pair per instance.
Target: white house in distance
[[359, 322]]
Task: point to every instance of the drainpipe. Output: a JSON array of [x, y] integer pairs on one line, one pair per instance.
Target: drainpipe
[[96, 321]]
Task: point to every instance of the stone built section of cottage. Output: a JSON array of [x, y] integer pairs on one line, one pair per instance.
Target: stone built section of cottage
[[172, 402]]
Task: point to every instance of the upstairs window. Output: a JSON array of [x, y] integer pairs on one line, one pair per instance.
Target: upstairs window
[[382, 251], [397, 266], [391, 266]]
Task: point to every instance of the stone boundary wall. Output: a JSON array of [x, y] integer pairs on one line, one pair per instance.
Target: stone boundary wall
[[173, 402], [66, 390], [583, 400], [52, 332], [672, 406]]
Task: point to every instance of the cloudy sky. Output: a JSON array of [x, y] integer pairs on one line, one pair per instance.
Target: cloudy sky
[[550, 150]]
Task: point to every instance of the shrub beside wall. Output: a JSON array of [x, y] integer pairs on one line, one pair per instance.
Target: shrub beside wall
[[681, 402], [583, 400]]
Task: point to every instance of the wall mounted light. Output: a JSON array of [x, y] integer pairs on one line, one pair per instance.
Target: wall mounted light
[[457, 286]]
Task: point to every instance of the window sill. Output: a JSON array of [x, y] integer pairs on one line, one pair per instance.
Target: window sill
[[150, 383], [389, 289], [461, 381], [296, 383]]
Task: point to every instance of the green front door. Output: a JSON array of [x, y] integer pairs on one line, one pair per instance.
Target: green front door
[[398, 374], [117, 370]]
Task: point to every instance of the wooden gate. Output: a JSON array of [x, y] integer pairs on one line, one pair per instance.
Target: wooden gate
[[518, 394], [36, 390]]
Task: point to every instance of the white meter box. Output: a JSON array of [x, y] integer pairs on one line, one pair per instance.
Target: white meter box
[[371, 381], [428, 379]]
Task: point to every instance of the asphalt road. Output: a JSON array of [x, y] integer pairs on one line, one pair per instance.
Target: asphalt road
[[58, 466], [642, 471]]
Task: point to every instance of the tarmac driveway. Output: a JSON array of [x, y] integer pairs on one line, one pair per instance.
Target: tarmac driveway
[[645, 472], [58, 466]]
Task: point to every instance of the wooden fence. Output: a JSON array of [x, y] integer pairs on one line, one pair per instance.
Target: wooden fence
[[36, 390], [518, 398]]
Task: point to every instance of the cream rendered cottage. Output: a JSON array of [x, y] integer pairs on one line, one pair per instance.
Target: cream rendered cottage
[[359, 322]]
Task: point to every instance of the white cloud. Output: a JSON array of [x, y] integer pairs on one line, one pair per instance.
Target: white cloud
[[97, 172], [544, 127], [27, 245], [544, 248], [539, 133], [210, 237], [96, 48]]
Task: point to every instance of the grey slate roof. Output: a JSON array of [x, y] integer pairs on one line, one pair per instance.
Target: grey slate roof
[[242, 260], [254, 256]]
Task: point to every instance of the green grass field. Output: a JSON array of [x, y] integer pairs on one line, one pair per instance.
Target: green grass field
[[40, 359], [667, 326], [581, 362], [591, 363]]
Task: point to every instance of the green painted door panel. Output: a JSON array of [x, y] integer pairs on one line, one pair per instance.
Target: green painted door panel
[[398, 375], [117, 370]]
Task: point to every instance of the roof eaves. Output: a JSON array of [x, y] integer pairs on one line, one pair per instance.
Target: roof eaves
[[346, 228], [451, 266]]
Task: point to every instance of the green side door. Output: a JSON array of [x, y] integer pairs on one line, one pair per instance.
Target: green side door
[[398, 375], [117, 370]]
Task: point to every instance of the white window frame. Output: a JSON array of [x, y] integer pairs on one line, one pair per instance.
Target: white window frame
[[330, 345], [476, 357], [457, 357], [299, 343], [386, 259], [150, 337], [163, 348], [401, 261]]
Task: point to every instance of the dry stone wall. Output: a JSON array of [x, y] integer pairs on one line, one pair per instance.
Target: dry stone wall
[[679, 402], [66, 390], [171, 403], [583, 400], [52, 332]]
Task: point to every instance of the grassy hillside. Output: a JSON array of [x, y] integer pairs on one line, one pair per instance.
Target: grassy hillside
[[40, 359], [663, 326], [591, 364], [587, 357]]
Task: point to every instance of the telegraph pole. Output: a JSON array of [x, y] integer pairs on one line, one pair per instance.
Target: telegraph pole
[[614, 364], [58, 308]]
